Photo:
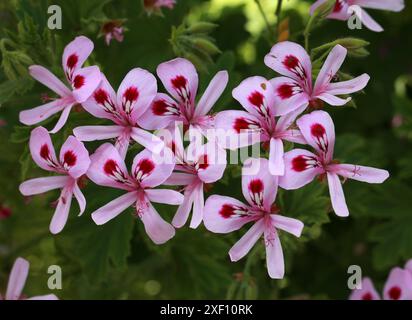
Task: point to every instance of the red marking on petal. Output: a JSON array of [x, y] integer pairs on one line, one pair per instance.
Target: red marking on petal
[[101, 96], [240, 124], [317, 130], [44, 151], [202, 162], [70, 158], [146, 166], [131, 94], [179, 82], [78, 81], [256, 98], [367, 296], [285, 91], [299, 164], [159, 107], [338, 6], [110, 167], [72, 61], [173, 147], [256, 186], [227, 211], [395, 293], [291, 62]]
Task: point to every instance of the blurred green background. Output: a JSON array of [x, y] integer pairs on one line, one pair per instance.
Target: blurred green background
[[117, 260]]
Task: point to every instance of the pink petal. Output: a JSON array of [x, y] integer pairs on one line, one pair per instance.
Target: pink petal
[[42, 150], [122, 144], [398, 286], [17, 279], [350, 86], [213, 92], [198, 206], [180, 79], [74, 157], [81, 200], [341, 12], [61, 213], [183, 211], [147, 140], [84, 82], [136, 93], [333, 100], [293, 226], [361, 173], [284, 122], [276, 162], [156, 228], [291, 60], [75, 54], [62, 120], [108, 169], [300, 169], [152, 170], [42, 185], [330, 67], [259, 187], [408, 265], [274, 254], [225, 214], [114, 208], [316, 5], [390, 5], [164, 196], [93, 133], [319, 131], [369, 22], [243, 246], [294, 136], [45, 297], [180, 179], [367, 291], [290, 96], [47, 78], [337, 196], [162, 112], [41, 113], [237, 129], [256, 95]]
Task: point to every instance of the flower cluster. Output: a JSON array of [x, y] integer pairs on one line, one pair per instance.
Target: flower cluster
[[276, 110]]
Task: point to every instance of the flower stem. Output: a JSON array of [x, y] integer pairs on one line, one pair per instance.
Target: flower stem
[[268, 27], [306, 32], [277, 14]]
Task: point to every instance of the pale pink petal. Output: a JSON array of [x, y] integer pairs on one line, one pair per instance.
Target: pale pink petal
[[180, 79], [41, 113], [81, 200], [390, 5], [276, 162], [243, 246], [210, 162], [180, 179], [93, 133], [17, 279], [156, 228], [166, 196], [259, 187], [47, 78], [42, 150], [162, 112], [333, 100], [341, 11], [294, 136], [182, 213], [45, 297], [408, 265], [237, 129], [256, 95], [152, 170], [349, 86], [147, 140], [366, 292], [360, 173], [301, 167], [369, 22], [74, 157], [316, 5], [198, 206], [84, 82], [42, 185], [75, 54], [319, 131], [337, 196], [62, 120], [107, 168], [136, 93], [330, 67], [290, 96], [122, 144], [61, 213], [293, 226], [291, 60], [213, 92], [114, 208], [398, 286], [286, 121], [274, 254]]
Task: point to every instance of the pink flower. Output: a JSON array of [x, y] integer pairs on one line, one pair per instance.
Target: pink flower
[[125, 108], [258, 124], [113, 30], [17, 281], [226, 214], [72, 164], [180, 79], [155, 5], [295, 90], [195, 167], [303, 166], [83, 82], [343, 10], [367, 291], [108, 169]]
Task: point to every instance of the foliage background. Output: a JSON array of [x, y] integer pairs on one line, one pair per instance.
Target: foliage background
[[117, 261]]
